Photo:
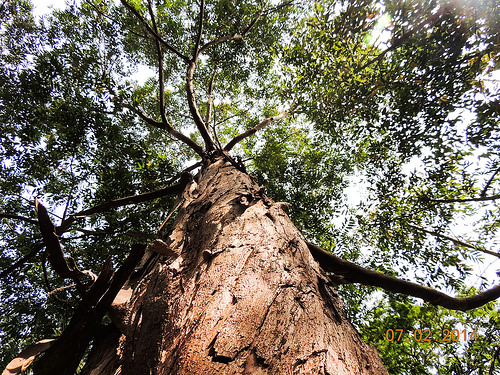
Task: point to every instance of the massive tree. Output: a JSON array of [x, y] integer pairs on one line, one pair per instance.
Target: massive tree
[[225, 187]]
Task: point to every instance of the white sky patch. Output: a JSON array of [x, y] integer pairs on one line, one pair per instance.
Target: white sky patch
[[42, 7]]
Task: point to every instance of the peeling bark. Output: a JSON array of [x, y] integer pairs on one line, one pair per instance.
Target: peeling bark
[[245, 296]]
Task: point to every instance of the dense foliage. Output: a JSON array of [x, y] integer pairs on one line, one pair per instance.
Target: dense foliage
[[390, 155]]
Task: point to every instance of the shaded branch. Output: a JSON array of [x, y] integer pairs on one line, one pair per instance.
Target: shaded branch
[[65, 355], [51, 241], [23, 260], [357, 274], [456, 241], [255, 129], [115, 203], [18, 217], [486, 187], [153, 32]]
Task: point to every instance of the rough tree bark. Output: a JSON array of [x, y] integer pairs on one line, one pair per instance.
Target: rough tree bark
[[244, 296]]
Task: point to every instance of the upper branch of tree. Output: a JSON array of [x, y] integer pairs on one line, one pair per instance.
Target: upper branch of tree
[[200, 31], [456, 240], [227, 38], [357, 274], [193, 108], [153, 32], [460, 200], [145, 118], [210, 98], [255, 129], [161, 75]]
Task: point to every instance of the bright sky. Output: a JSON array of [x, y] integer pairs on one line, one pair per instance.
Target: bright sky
[[41, 7]]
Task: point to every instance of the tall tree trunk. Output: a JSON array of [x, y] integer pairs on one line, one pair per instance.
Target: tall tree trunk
[[244, 296]]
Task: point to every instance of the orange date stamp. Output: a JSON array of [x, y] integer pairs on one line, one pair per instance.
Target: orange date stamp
[[426, 335]]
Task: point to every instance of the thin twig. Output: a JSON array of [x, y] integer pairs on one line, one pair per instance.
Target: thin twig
[[462, 200], [456, 241]]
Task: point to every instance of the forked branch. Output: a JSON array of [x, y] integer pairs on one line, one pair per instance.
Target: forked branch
[[357, 274], [166, 126], [153, 32], [255, 129], [227, 38]]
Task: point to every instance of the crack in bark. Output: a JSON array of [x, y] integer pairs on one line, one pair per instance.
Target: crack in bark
[[218, 358]]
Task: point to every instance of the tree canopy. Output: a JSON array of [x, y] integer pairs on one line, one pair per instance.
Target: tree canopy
[[378, 121]]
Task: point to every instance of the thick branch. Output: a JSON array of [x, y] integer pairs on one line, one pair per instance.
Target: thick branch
[[115, 203], [456, 240], [193, 108], [358, 274], [255, 129], [153, 32], [54, 250]]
